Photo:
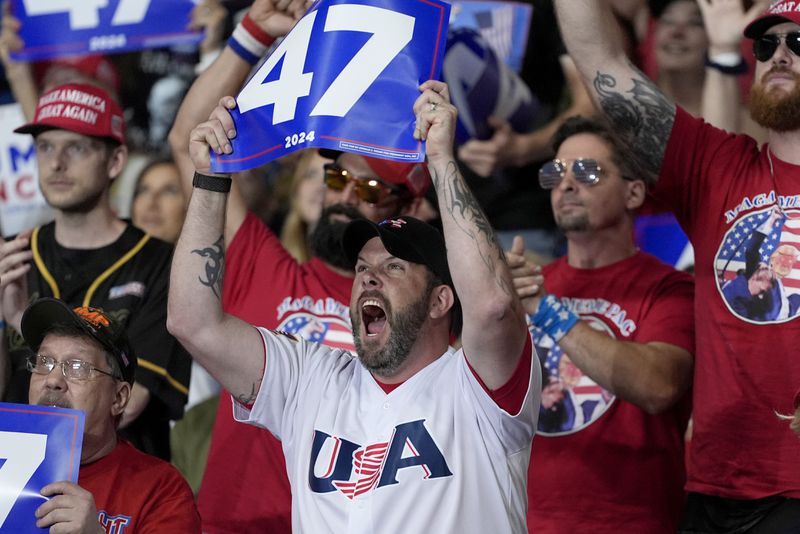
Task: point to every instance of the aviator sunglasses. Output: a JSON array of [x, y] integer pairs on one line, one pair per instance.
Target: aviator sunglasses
[[370, 190], [765, 46], [586, 171]]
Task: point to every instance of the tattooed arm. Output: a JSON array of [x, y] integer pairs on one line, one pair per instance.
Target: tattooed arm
[[228, 348], [640, 113], [494, 331]]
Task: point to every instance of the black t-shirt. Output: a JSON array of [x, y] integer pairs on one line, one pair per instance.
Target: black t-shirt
[[129, 280]]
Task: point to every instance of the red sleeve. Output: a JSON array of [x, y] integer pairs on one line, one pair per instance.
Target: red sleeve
[[254, 257], [797, 399], [697, 158], [670, 318], [511, 395]]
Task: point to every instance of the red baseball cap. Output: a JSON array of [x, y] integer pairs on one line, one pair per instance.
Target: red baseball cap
[[414, 176], [80, 108], [779, 11], [93, 67]]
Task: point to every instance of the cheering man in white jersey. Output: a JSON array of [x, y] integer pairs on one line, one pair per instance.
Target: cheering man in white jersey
[[410, 435]]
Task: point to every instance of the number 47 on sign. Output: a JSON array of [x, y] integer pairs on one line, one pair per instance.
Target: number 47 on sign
[[345, 78]]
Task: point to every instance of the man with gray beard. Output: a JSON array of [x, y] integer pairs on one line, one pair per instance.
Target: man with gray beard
[[410, 435], [722, 187]]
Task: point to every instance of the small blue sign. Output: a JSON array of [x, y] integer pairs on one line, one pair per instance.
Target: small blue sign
[[346, 78], [53, 28], [39, 445]]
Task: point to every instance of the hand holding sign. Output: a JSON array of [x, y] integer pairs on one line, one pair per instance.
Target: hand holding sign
[[345, 78], [38, 445], [70, 507]]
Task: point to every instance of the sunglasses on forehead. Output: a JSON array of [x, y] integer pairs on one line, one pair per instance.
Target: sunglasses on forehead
[[370, 190], [765, 46], [586, 171]]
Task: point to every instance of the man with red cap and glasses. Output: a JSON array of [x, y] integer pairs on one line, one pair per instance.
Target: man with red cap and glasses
[[245, 488], [742, 470], [90, 257]]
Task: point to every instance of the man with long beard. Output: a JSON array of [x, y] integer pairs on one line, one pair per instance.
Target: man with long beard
[[721, 187], [264, 285], [410, 435]]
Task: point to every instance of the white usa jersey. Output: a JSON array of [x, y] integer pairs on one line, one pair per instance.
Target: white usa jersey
[[435, 455]]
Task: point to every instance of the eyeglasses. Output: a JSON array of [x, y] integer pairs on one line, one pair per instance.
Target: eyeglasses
[[370, 190], [586, 171], [71, 369], [765, 46]]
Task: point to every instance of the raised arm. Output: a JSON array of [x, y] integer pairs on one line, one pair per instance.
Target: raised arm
[[653, 376], [632, 102], [228, 348], [225, 76], [725, 22], [494, 323], [18, 73]]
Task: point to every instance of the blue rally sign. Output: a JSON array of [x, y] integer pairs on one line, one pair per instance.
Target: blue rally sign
[[38, 445], [346, 77], [52, 28]]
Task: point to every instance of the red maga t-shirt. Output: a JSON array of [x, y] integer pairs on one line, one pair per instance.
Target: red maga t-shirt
[[722, 191], [600, 464]]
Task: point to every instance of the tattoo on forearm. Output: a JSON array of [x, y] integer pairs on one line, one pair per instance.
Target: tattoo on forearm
[[215, 265], [462, 205], [251, 398], [643, 115]]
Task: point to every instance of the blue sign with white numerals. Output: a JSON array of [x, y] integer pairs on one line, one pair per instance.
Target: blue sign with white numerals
[[38, 445], [346, 77], [52, 28]]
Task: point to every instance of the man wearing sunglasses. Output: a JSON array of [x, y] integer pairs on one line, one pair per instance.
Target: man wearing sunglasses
[[82, 360], [721, 187], [264, 285], [617, 364]]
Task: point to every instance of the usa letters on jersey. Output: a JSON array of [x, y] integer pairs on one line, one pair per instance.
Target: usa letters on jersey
[[435, 455]]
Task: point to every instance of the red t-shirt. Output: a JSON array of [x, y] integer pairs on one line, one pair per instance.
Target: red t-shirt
[[136, 493], [746, 369], [245, 488], [600, 464]]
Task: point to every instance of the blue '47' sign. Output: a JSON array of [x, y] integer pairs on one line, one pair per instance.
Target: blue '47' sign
[[38, 445], [53, 28], [346, 78]]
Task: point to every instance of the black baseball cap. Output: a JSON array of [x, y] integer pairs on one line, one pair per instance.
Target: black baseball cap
[[404, 237], [47, 313]]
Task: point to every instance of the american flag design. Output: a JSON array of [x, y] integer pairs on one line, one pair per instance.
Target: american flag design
[[730, 261], [571, 401], [329, 331], [367, 465]]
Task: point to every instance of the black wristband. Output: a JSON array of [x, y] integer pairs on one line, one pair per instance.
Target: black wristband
[[735, 70], [218, 184]]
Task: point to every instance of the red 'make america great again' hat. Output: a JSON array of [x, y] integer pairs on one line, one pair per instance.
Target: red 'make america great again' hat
[[779, 11], [80, 108]]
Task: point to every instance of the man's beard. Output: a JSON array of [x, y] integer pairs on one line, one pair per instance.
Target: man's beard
[[573, 223], [776, 109], [50, 398], [325, 240], [406, 325]]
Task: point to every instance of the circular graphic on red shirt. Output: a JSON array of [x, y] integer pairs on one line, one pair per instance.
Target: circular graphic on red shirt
[[571, 401], [756, 266]]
